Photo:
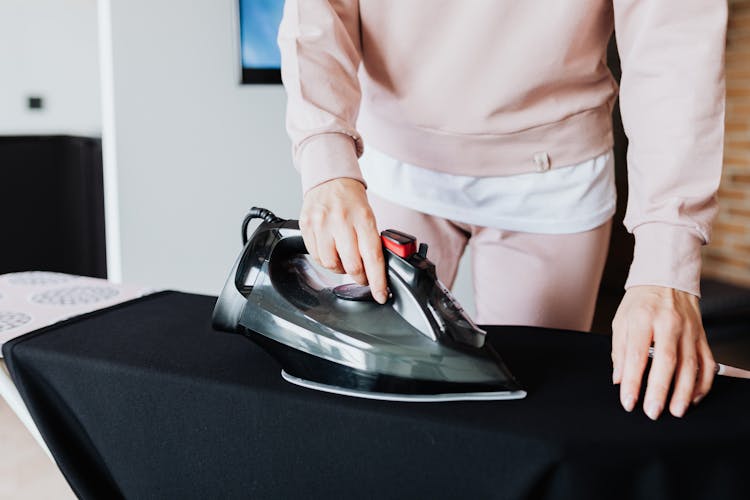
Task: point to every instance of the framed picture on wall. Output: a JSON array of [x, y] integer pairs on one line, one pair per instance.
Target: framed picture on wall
[[259, 26]]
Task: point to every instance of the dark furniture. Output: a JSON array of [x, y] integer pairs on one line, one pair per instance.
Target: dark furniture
[[145, 400], [726, 318], [52, 205]]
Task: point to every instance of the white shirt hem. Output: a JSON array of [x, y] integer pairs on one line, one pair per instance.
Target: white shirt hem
[[546, 226]]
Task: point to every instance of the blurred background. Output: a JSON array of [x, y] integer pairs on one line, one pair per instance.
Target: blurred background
[[134, 135]]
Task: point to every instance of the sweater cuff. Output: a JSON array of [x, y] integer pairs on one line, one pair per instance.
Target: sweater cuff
[[327, 156], [666, 255]]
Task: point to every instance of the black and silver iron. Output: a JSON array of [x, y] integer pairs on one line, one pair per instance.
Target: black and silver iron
[[418, 346]]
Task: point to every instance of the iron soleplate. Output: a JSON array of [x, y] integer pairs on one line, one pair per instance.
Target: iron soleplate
[[415, 398]]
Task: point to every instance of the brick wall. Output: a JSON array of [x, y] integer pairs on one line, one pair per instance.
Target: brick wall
[[728, 255]]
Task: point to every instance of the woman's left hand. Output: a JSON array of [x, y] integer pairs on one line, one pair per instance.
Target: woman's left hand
[[670, 320]]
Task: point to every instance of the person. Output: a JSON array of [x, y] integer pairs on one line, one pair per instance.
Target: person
[[488, 124]]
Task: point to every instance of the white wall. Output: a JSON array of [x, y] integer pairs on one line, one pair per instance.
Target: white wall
[[49, 48], [193, 148]]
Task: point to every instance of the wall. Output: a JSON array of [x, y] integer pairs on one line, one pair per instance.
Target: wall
[[728, 255], [193, 148], [49, 48]]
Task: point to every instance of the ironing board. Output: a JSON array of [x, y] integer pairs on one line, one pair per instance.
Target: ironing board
[[11, 396], [32, 300], [145, 400]]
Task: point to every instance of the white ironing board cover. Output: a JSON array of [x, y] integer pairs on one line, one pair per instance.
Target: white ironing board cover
[[31, 300]]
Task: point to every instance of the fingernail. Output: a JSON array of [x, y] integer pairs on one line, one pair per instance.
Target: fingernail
[[697, 399], [652, 409], [615, 376], [680, 409], [628, 402]]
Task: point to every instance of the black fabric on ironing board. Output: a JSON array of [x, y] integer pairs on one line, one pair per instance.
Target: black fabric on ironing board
[[145, 400]]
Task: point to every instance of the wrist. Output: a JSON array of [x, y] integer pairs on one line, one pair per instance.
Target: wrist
[[337, 185], [325, 157]]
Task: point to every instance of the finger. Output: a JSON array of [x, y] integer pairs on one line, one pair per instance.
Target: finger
[[660, 375], [371, 250], [346, 245], [329, 257], [634, 363], [706, 372], [309, 238], [619, 336], [684, 384]]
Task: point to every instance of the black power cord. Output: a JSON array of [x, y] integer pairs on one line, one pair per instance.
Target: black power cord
[[257, 213]]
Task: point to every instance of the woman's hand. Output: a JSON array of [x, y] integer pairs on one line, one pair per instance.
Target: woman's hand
[[671, 320], [340, 233]]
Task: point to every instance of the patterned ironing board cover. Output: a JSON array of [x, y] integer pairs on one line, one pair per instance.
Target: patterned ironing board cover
[[34, 299]]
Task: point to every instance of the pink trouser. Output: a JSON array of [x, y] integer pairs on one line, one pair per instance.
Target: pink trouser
[[548, 280]]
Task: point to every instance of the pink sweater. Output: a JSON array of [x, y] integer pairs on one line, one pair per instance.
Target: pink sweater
[[498, 87]]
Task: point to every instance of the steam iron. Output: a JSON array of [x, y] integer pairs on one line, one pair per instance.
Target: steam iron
[[418, 346]]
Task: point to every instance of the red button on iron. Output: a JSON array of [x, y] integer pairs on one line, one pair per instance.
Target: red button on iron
[[401, 244]]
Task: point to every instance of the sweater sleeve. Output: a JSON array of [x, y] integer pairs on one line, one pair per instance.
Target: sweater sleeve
[[320, 49], [672, 102]]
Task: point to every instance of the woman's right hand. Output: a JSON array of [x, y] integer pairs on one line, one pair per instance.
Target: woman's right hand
[[340, 233]]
